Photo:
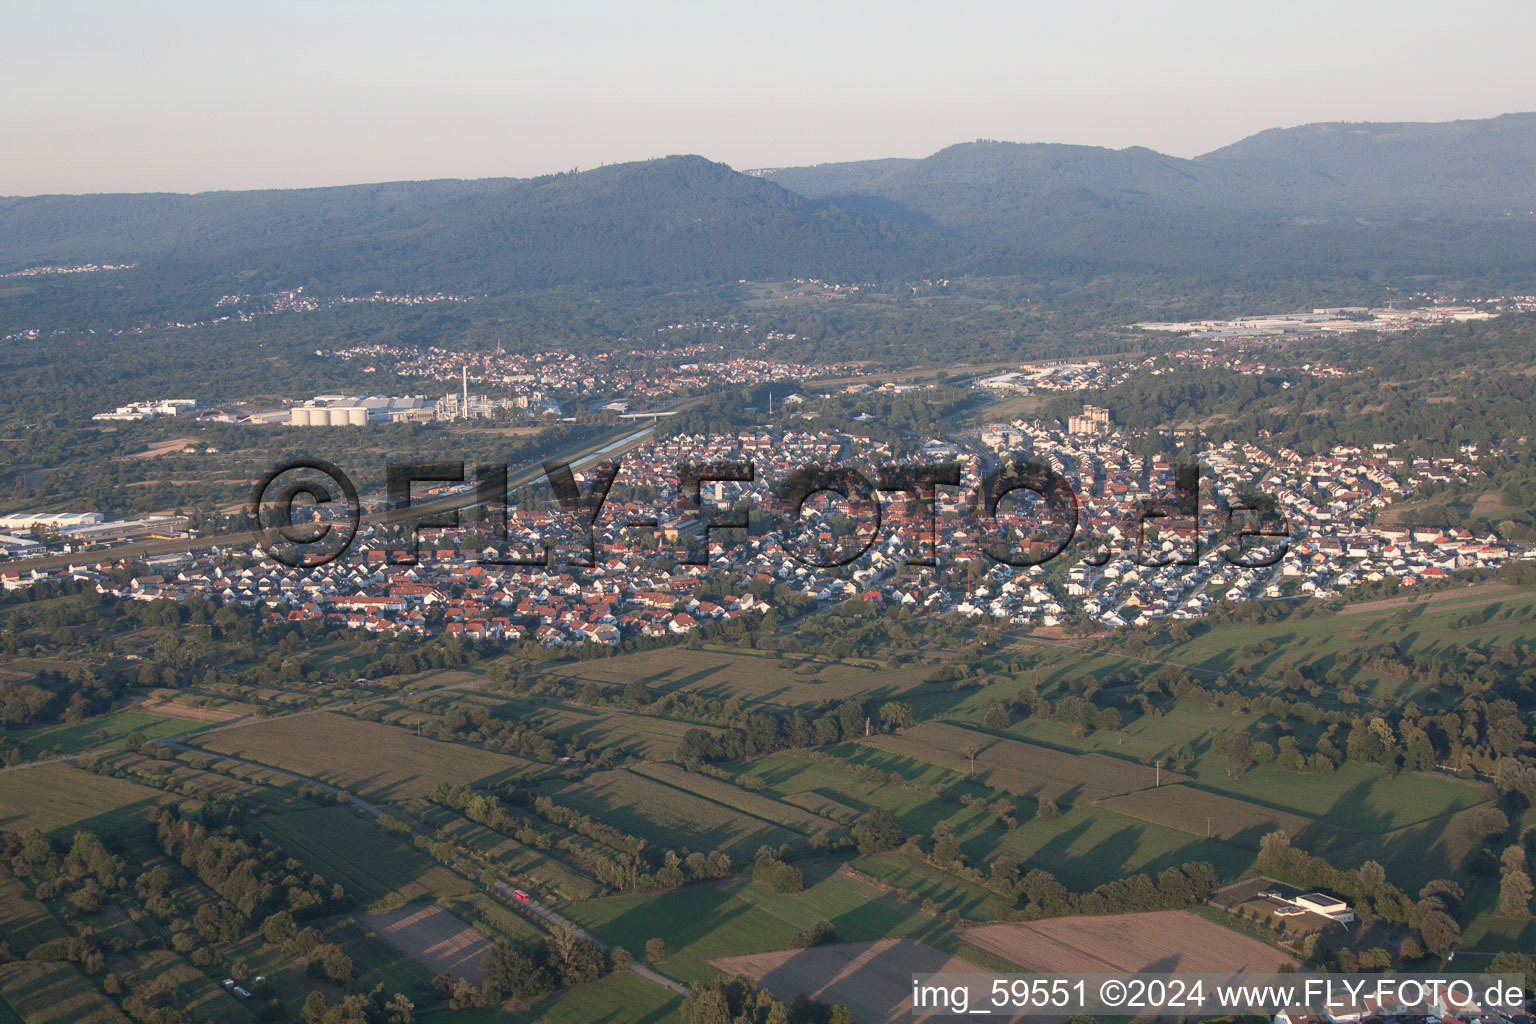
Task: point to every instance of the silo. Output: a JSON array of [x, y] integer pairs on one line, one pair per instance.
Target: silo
[[357, 415], [299, 416]]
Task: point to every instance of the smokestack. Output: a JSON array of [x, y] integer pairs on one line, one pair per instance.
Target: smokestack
[[464, 408]]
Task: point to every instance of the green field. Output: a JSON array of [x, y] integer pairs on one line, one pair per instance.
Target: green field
[[378, 866], [199, 994], [492, 916], [925, 882], [622, 998], [54, 797], [911, 799], [373, 760], [24, 922], [55, 993], [670, 817], [1201, 813], [237, 782], [725, 673], [82, 736], [1089, 845], [702, 922], [768, 809], [546, 874], [1358, 797], [1023, 769], [645, 736], [374, 962], [1500, 616]]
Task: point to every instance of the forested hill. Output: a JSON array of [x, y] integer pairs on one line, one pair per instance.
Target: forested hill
[[1440, 200], [1472, 167], [672, 220], [1435, 206], [1453, 170]]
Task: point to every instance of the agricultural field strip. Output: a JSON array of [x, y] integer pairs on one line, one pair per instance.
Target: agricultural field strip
[[665, 815], [1165, 940], [554, 920], [948, 891], [1198, 811], [766, 808], [433, 937], [55, 993], [652, 736], [873, 979], [556, 861], [824, 806], [1019, 766], [321, 746], [24, 921], [339, 849], [745, 677], [74, 796]]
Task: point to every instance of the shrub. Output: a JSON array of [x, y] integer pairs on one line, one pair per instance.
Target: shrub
[[815, 934]]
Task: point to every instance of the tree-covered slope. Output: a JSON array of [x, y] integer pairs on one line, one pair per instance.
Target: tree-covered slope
[[663, 221]]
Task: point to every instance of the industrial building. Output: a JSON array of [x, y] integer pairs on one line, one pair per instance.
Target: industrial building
[[149, 410], [61, 521], [354, 411]]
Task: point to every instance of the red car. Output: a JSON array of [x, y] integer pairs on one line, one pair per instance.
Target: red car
[[521, 896]]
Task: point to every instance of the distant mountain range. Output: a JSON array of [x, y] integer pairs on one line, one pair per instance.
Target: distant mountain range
[[1451, 201]]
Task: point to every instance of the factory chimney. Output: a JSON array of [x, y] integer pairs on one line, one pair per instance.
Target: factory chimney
[[464, 406]]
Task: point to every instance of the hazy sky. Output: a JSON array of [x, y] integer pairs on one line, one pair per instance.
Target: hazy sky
[[141, 96]]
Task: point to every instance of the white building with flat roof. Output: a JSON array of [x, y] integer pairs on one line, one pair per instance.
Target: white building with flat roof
[[1322, 904]]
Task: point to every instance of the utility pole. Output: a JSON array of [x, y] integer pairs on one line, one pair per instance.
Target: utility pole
[[1159, 781]]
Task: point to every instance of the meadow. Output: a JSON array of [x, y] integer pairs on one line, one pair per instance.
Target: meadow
[[649, 737], [670, 817], [547, 874], [75, 798], [622, 998], [773, 811], [1498, 616], [906, 789], [101, 731], [1203, 813], [376, 866], [947, 891], [1024, 769], [1359, 797], [749, 676], [1089, 845], [55, 993], [24, 922], [194, 990], [702, 922], [368, 758]]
